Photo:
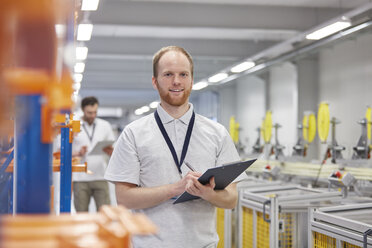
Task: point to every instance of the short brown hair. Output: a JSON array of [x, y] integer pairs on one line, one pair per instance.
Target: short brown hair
[[162, 51], [90, 100]]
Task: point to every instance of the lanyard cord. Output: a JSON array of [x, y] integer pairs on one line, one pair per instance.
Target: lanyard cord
[[169, 142], [86, 131]]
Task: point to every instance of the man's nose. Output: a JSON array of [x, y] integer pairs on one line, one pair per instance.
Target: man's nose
[[177, 79]]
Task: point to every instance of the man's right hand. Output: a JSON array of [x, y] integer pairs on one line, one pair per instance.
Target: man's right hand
[[180, 186], [83, 150]]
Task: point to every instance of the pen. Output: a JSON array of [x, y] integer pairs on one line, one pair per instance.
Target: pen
[[189, 166]]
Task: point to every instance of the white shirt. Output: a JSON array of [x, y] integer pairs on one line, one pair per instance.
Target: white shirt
[[142, 157], [88, 136]]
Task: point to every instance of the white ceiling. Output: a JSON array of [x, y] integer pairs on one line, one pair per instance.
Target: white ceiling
[[217, 33]]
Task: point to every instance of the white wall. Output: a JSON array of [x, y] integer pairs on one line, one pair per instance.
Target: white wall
[[283, 94], [250, 98], [345, 81], [228, 103]]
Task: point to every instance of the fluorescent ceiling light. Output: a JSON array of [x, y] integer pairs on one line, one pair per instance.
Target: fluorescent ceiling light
[[154, 104], [218, 77], [79, 67], [76, 86], [138, 111], [328, 30], [200, 85], [84, 32], [60, 30], [90, 5], [81, 53], [78, 77], [145, 109], [243, 66]]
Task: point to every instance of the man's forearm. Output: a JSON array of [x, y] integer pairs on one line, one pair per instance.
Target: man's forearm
[[226, 198], [139, 198]]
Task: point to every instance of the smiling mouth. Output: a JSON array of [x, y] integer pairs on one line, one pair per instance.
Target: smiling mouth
[[176, 90]]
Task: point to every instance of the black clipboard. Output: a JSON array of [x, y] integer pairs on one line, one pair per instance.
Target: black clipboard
[[223, 176]]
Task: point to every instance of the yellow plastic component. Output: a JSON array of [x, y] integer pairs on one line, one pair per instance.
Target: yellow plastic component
[[369, 119], [309, 127], [234, 130], [263, 231], [221, 227], [232, 127], [75, 126], [347, 245], [323, 121], [323, 241], [267, 127], [286, 236], [247, 225], [59, 118]]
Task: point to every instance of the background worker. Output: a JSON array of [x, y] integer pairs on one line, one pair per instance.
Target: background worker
[[93, 130]]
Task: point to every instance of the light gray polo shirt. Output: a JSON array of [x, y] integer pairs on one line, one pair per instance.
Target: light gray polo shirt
[[142, 157]]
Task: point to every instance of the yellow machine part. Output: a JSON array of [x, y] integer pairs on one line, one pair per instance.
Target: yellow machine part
[[309, 127], [369, 118], [263, 231], [323, 241], [247, 239], [234, 130], [267, 127], [221, 227], [286, 236], [347, 245], [323, 121]]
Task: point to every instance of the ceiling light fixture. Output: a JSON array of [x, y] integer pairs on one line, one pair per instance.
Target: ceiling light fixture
[[84, 31], [243, 66], [218, 77], [81, 53], [200, 85], [145, 109], [76, 86], [138, 111], [90, 5], [79, 67], [328, 30], [78, 77], [154, 104]]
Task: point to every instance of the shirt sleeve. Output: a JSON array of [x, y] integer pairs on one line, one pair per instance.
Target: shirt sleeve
[[229, 154], [124, 165]]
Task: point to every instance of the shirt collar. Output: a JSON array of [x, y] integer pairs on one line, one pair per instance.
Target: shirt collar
[[87, 124], [166, 118]]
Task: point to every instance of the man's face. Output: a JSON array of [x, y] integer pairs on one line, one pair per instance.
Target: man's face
[[174, 80], [90, 113]]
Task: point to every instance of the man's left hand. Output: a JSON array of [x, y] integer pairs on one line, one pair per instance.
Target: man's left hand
[[108, 150], [205, 192]]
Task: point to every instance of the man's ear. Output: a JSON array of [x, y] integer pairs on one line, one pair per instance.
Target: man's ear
[[154, 83]]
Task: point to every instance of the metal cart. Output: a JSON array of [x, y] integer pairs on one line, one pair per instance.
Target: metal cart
[[277, 216], [348, 226]]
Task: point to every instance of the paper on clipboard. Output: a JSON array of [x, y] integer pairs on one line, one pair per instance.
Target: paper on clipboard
[[98, 148]]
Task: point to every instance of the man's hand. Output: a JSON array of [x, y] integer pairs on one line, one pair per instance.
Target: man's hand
[[108, 150], [83, 151], [181, 185], [205, 192]]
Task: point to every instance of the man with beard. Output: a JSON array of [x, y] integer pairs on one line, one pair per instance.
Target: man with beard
[[93, 184], [148, 162]]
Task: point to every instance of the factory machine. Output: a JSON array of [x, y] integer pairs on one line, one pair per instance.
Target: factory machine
[[347, 226]]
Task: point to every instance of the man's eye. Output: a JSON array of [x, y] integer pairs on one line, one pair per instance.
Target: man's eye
[[184, 74], [168, 74]]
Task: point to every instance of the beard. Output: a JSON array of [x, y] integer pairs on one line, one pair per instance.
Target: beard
[[173, 100]]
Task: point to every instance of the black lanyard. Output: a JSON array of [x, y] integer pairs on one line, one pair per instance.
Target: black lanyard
[[169, 142], [90, 136]]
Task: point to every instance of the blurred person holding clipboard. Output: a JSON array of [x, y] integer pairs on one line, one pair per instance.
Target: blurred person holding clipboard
[[148, 162], [94, 132]]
